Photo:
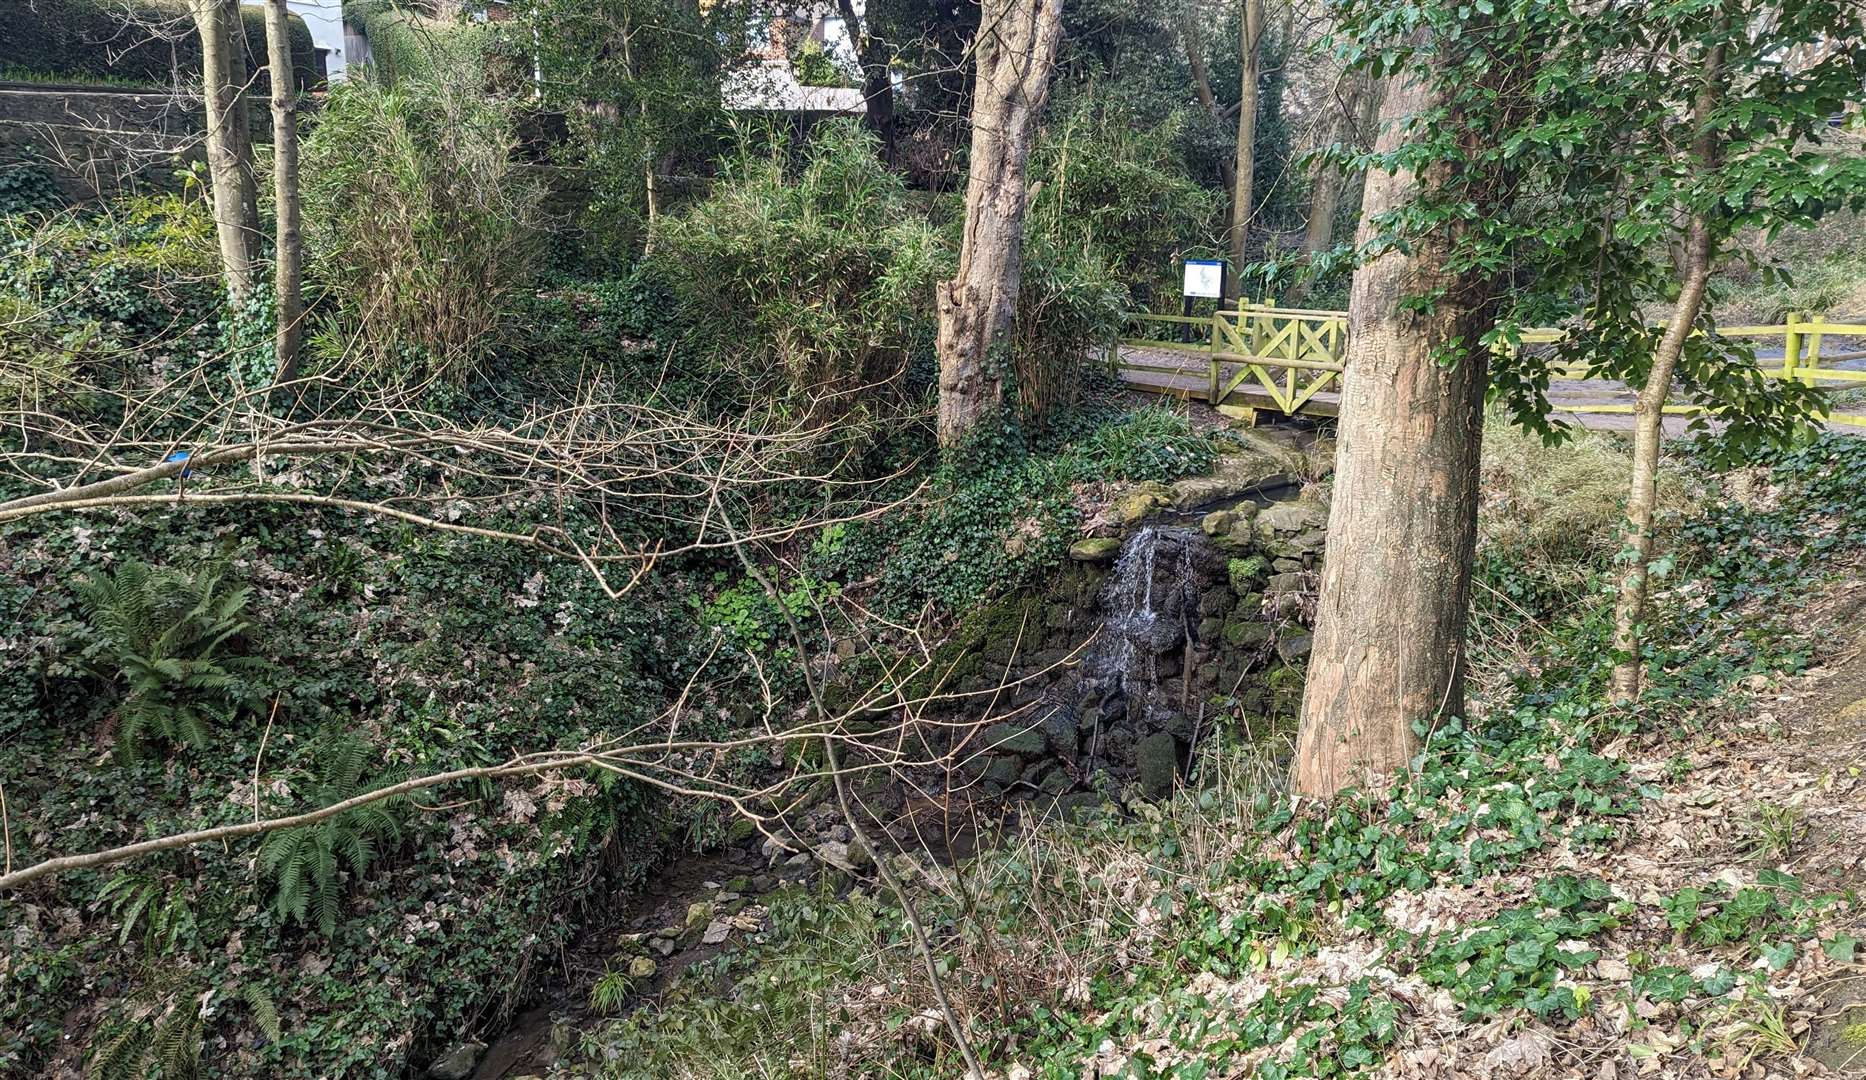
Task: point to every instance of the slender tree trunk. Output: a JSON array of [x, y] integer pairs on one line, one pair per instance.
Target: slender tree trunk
[[1250, 38], [229, 140], [1015, 51], [1202, 82], [1694, 266], [1389, 635], [1325, 185], [877, 82], [289, 270]]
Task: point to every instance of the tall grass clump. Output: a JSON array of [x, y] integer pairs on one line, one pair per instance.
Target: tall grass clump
[[421, 224], [809, 280]]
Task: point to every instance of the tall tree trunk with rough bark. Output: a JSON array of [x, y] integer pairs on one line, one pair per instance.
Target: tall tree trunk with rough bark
[[229, 140], [877, 81], [1015, 51], [288, 271], [1250, 40], [1694, 267], [1345, 125], [1389, 634]]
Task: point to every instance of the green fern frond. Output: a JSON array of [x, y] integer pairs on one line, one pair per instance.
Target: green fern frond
[[173, 637], [265, 1010]]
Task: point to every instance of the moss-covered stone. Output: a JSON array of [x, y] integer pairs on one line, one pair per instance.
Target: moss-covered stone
[[1156, 758], [1218, 523], [1242, 633], [1010, 738], [1095, 549], [1293, 645], [1245, 574], [1137, 504]]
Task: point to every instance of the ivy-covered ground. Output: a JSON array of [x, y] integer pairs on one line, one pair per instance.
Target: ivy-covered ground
[[324, 652], [1561, 888]]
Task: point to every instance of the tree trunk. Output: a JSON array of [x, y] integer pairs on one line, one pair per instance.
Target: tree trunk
[[289, 270], [1694, 266], [1202, 82], [877, 82], [1389, 635], [1325, 185], [229, 141], [1015, 50], [1250, 37]]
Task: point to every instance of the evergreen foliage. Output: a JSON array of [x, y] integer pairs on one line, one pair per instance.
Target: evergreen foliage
[[304, 862], [420, 226], [174, 639]]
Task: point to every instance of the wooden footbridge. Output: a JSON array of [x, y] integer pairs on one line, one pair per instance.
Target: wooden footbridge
[[1288, 361]]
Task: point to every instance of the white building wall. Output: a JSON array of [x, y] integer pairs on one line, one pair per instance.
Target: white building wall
[[325, 20]]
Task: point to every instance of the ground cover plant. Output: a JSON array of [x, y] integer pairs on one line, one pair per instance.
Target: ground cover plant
[[1506, 909]]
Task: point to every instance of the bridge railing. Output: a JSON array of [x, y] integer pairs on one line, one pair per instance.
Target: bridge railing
[[1289, 355]]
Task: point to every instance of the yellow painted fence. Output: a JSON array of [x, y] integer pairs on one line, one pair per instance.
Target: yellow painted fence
[[1286, 357]]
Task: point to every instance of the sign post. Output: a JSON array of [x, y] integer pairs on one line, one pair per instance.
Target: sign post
[[1204, 279]]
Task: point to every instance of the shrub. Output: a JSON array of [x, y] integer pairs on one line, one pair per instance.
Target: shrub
[[303, 862], [89, 40], [408, 47], [26, 188], [420, 225], [1069, 308], [173, 639], [814, 287], [1118, 187]]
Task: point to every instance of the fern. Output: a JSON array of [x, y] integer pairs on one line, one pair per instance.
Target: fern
[[172, 639], [158, 1039], [160, 906], [157, 1032], [304, 862]]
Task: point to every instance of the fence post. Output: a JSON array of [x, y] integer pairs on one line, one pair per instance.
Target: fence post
[[1216, 330], [1813, 365], [1791, 346]]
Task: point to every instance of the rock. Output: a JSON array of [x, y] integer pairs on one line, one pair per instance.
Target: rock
[[742, 830], [1310, 543], [1096, 549], [1133, 507], [1298, 516], [1287, 566], [1245, 634], [1178, 725], [1057, 781], [1283, 583], [458, 1062], [1157, 759], [1293, 645], [1261, 463], [1003, 770], [1245, 573], [663, 946], [642, 967], [1023, 740], [1218, 523], [843, 856], [699, 913], [1081, 806], [1209, 629]]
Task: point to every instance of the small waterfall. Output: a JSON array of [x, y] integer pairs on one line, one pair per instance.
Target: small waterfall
[[1148, 610]]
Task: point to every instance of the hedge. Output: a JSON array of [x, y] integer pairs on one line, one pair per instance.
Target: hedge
[[89, 40]]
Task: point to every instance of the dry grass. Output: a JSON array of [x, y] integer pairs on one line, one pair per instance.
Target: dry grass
[[1560, 508]]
